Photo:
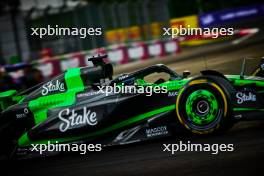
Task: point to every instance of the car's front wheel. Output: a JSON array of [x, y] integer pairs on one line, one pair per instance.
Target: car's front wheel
[[203, 105]]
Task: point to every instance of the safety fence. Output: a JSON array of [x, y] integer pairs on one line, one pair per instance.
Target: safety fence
[[122, 52], [117, 54]]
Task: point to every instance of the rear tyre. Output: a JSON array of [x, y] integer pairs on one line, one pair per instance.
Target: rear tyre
[[203, 105]]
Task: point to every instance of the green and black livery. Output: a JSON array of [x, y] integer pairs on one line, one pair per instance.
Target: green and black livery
[[69, 108]]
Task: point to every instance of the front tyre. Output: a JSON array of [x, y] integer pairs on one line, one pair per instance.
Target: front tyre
[[203, 105]]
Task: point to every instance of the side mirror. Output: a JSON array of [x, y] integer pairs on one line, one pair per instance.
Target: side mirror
[[186, 73]]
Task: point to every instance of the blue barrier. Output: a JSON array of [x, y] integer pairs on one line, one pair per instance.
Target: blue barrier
[[230, 15]]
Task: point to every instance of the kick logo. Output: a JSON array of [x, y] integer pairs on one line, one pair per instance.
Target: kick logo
[[243, 97], [50, 87], [71, 119]]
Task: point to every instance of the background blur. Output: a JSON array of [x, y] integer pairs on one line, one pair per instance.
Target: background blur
[[122, 21], [132, 31], [132, 38]]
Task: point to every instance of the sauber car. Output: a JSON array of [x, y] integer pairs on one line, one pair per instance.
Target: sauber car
[[70, 109]]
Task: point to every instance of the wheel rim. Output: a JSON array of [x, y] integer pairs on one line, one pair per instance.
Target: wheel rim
[[201, 107]]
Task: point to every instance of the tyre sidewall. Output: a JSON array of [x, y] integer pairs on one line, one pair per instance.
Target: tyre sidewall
[[220, 88]]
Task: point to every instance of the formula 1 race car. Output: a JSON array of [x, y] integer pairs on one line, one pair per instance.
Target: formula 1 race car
[[74, 108]]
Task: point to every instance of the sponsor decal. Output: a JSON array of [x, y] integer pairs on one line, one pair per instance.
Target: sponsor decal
[[50, 87], [23, 114], [71, 119], [123, 77], [158, 131], [88, 94], [230, 15], [245, 97], [207, 19], [172, 94]]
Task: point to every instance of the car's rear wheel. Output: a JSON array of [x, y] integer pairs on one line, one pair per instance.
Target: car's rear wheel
[[203, 105]]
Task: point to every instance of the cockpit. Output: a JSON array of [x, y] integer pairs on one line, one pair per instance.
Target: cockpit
[[155, 74]]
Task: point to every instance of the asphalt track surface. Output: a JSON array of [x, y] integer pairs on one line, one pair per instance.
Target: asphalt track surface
[[148, 158]]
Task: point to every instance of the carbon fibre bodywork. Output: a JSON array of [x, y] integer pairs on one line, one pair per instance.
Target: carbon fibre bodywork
[[69, 108]]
